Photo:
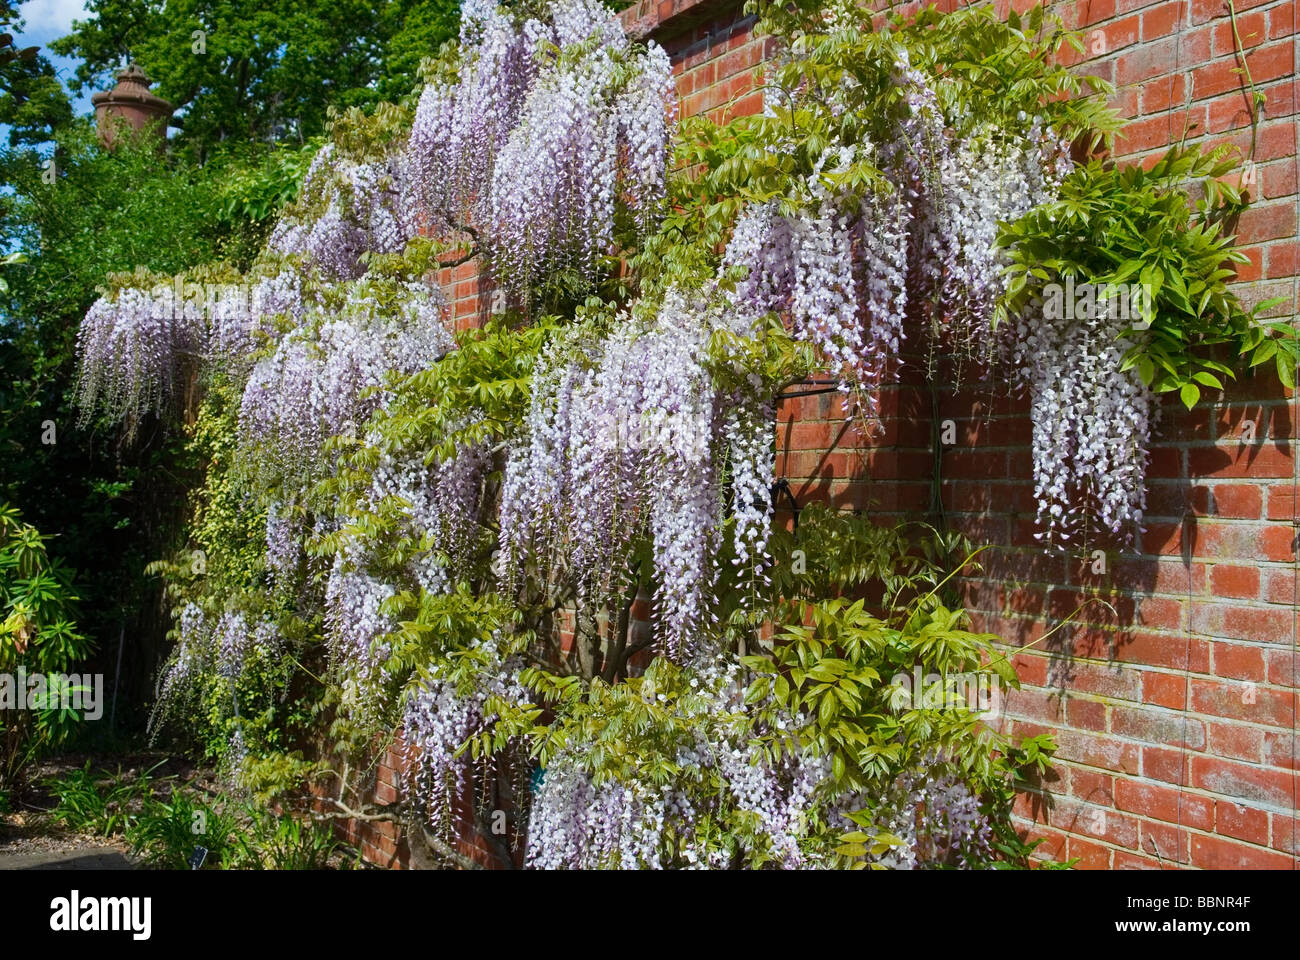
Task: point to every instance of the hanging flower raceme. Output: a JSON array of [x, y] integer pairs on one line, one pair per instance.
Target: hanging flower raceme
[[546, 128], [132, 347], [844, 265], [325, 378], [438, 506], [628, 438], [347, 208], [592, 819], [440, 716], [1092, 422]]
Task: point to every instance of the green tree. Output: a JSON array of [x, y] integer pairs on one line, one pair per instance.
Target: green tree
[[72, 222], [32, 101], [37, 633], [252, 69]]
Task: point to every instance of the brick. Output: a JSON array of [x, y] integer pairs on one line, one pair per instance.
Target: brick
[[1238, 661], [1267, 221], [1118, 681], [1243, 701], [1279, 749], [1165, 803], [1283, 667], [1052, 845], [1123, 860], [1230, 580], [1085, 714], [1236, 741], [1152, 60], [1229, 778], [1161, 20], [1161, 93], [1237, 500], [1163, 650], [1165, 842], [1167, 764], [1165, 690], [1092, 11], [1145, 134], [1283, 259], [1158, 726], [1092, 786], [1239, 461], [1242, 822], [1090, 856], [1252, 29], [1096, 751], [1260, 624], [1095, 821], [1286, 833], [1216, 853]]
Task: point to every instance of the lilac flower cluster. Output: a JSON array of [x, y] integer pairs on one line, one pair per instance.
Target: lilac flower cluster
[[752, 457], [326, 377], [132, 347], [1092, 423], [935, 816], [838, 267], [283, 541], [579, 825], [440, 508], [625, 434], [548, 125], [440, 716], [355, 623], [347, 208], [224, 647], [190, 655], [135, 344], [583, 821]]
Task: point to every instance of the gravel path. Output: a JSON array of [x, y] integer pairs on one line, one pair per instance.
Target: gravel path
[[29, 841]]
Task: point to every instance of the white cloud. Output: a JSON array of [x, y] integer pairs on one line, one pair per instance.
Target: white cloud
[[51, 18]]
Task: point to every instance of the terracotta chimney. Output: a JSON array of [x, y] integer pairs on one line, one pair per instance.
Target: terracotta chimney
[[130, 103]]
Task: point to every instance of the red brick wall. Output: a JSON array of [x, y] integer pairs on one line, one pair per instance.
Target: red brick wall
[[1176, 718]]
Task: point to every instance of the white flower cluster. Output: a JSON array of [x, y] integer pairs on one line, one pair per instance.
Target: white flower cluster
[[578, 823], [439, 718], [190, 655], [326, 377], [839, 268], [355, 623], [629, 436], [440, 508], [1092, 424], [132, 347], [937, 818], [352, 207], [547, 125], [225, 646]]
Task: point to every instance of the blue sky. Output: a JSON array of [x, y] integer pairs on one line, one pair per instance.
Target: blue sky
[[47, 20]]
